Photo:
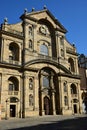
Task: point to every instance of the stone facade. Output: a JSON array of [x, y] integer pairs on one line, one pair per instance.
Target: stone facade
[[38, 68]]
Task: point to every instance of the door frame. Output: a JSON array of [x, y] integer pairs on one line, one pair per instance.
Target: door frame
[[12, 109]]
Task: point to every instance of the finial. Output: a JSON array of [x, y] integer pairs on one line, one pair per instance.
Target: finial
[[5, 20], [45, 7], [33, 9], [73, 44], [25, 11]]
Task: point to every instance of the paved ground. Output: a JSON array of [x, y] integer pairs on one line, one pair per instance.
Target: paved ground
[[75, 122]]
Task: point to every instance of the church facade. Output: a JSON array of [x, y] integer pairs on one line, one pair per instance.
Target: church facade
[[38, 68]]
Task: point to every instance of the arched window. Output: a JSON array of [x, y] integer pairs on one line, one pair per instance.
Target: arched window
[[65, 100], [43, 50], [31, 84], [13, 84], [45, 81], [71, 62], [31, 100], [30, 44], [65, 86], [73, 89], [13, 52], [11, 87]]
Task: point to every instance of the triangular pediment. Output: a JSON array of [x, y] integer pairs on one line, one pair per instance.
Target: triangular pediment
[[47, 15]]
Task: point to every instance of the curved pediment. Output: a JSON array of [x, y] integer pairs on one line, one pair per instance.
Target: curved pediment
[[48, 62]]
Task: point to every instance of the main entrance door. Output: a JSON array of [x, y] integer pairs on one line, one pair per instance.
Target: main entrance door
[[46, 105], [12, 110]]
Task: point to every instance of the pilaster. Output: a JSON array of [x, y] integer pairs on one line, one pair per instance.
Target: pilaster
[[36, 95], [58, 44]]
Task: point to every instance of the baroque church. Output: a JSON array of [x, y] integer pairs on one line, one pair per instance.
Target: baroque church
[[38, 68]]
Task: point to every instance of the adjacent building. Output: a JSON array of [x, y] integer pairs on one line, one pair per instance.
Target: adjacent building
[[39, 72], [82, 60]]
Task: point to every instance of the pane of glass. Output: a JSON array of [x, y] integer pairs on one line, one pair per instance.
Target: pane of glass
[[11, 87], [44, 50], [45, 82]]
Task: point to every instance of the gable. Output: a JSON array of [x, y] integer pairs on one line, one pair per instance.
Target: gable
[[47, 15]]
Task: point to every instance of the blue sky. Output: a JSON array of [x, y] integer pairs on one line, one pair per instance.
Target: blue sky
[[72, 14]]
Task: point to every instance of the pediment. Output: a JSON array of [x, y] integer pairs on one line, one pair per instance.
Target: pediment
[[46, 15], [45, 63]]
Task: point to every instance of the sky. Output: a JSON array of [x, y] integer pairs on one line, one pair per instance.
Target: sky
[[72, 14]]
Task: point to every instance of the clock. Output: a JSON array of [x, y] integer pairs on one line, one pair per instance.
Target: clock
[[43, 29]]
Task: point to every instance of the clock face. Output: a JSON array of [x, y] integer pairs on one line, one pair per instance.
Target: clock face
[[43, 29]]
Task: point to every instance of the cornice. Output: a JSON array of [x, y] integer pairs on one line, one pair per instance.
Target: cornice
[[11, 34]]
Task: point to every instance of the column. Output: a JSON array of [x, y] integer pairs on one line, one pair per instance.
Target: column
[[58, 44], [34, 37], [25, 40], [53, 100], [21, 96], [20, 54], [24, 96], [76, 66], [62, 97], [70, 102], [42, 99], [79, 98], [36, 94], [2, 50], [64, 49], [69, 96]]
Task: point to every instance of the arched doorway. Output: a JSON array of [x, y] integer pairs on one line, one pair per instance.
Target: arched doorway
[[48, 92], [12, 107], [47, 105]]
